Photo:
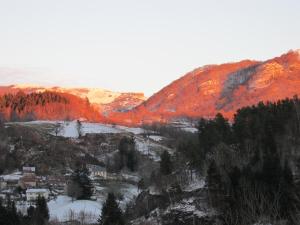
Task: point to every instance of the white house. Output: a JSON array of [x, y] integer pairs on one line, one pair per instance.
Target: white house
[[11, 180], [97, 171], [3, 183], [28, 170], [33, 194]]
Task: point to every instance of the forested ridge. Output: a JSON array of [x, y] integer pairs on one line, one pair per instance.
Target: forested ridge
[[45, 105], [20, 100]]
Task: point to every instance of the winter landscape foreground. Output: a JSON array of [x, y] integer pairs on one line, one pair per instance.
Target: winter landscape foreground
[[206, 171]]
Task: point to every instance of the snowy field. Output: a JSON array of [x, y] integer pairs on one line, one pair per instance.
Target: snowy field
[[63, 209], [69, 128], [151, 149]]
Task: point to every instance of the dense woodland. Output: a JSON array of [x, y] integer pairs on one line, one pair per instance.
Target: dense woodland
[[252, 163], [45, 105]]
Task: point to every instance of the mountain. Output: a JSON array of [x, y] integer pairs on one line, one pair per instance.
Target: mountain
[[202, 92], [105, 101], [224, 88]]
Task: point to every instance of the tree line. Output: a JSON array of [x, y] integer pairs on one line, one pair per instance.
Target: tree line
[[252, 163], [38, 215]]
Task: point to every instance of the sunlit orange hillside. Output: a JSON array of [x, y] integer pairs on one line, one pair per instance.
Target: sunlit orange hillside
[[220, 88], [201, 93]]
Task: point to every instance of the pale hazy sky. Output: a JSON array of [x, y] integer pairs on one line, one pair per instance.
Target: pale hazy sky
[[137, 45]]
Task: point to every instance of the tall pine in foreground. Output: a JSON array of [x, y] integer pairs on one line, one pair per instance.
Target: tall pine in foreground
[[111, 212], [41, 215], [80, 186], [166, 163], [8, 214]]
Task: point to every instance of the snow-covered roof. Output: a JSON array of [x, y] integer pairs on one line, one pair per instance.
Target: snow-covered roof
[[11, 177], [28, 168], [37, 190]]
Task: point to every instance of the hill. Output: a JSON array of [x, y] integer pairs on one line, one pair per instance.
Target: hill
[[224, 88]]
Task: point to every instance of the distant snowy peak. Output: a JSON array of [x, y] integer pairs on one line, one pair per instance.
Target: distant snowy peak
[[95, 95]]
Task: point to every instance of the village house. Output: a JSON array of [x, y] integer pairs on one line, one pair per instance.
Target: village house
[[28, 170], [3, 183], [33, 194], [97, 171], [57, 182], [28, 181], [11, 181]]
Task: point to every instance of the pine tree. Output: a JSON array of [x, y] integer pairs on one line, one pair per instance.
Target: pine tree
[[141, 184], [111, 212], [127, 153], [30, 214], [85, 184], [132, 160], [9, 215], [214, 183], [166, 163], [41, 213], [3, 215], [80, 186], [79, 128]]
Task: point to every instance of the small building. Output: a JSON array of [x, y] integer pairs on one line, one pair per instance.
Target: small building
[[28, 170], [28, 181], [2, 196], [56, 181], [11, 180], [33, 194], [97, 171], [3, 183]]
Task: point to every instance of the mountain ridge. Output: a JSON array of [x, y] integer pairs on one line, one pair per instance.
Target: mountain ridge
[[203, 92], [223, 88]]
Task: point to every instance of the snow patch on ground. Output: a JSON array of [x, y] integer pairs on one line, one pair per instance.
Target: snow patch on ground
[[156, 138], [150, 148], [69, 129], [193, 186], [144, 147], [129, 193], [134, 130], [63, 208], [188, 206], [190, 129]]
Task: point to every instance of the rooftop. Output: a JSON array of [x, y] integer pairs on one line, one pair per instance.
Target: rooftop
[[37, 190]]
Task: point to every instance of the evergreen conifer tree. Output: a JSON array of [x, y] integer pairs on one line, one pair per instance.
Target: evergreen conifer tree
[[41, 213], [111, 212], [166, 163]]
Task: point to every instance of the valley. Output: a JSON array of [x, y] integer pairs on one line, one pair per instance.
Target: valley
[[55, 148]]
